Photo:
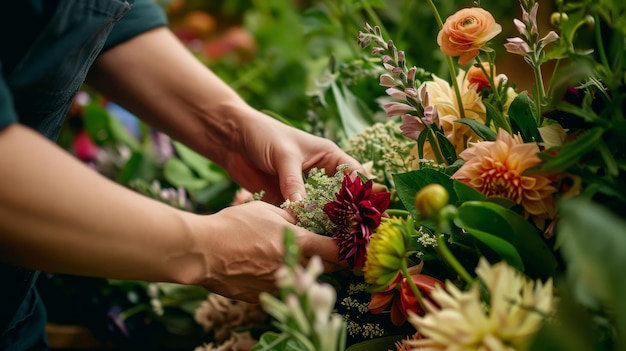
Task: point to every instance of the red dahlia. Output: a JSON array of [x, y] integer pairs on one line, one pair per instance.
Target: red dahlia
[[356, 212]]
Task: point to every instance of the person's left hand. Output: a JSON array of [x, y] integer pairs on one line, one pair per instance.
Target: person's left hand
[[272, 157]]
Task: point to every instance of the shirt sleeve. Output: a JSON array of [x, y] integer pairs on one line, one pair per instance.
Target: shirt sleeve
[[7, 110], [143, 16]]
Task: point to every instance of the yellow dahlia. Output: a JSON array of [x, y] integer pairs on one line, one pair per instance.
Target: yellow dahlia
[[385, 254], [516, 311], [496, 168]]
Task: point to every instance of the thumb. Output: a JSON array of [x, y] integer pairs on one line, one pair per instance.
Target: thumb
[[290, 179]]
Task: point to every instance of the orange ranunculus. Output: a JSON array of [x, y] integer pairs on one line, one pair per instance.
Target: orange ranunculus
[[476, 75], [465, 32]]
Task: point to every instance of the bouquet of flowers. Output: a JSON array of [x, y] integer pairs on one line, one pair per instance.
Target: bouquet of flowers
[[489, 218]]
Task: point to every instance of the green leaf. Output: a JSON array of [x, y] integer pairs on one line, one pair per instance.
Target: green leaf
[[466, 193], [382, 343], [498, 118], [106, 129], [198, 163], [523, 114], [480, 129], [140, 165], [352, 111], [177, 173], [272, 341], [447, 149], [595, 265], [409, 183], [560, 158], [502, 247], [493, 219], [121, 134], [96, 121]]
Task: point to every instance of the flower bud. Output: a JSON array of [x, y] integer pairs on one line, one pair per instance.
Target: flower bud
[[558, 17], [430, 200]]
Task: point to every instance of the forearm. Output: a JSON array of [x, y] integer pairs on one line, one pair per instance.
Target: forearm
[[59, 216], [157, 78]]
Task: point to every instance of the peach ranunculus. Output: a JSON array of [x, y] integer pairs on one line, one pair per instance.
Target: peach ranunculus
[[465, 32], [496, 168]]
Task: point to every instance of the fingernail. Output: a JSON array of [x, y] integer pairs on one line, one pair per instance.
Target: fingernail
[[296, 197]]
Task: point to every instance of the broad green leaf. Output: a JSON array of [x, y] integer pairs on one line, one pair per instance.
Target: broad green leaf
[[466, 193], [523, 114], [487, 217], [480, 129], [408, 184], [177, 173], [502, 247]]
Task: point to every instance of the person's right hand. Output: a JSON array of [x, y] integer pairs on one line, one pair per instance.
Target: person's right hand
[[243, 247]]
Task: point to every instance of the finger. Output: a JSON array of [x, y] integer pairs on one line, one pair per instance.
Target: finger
[[286, 215], [323, 246], [290, 179], [329, 267]]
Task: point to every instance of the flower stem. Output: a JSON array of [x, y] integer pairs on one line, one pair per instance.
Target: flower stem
[[600, 44], [414, 288], [540, 90], [455, 84], [434, 143], [448, 256], [397, 212]]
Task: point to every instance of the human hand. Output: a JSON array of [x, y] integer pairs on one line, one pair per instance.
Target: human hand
[[272, 156], [243, 247]]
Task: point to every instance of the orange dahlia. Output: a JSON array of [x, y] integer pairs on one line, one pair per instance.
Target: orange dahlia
[[496, 168]]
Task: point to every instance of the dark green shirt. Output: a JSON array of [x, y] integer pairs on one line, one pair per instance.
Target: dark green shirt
[[46, 50]]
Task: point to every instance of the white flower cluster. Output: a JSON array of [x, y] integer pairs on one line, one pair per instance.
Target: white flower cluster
[[320, 190], [385, 146]]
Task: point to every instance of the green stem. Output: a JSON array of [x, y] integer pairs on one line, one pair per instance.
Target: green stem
[[489, 76], [457, 89], [132, 311], [455, 84], [282, 337], [374, 17], [599, 42], [397, 212], [448, 256], [434, 144], [540, 91], [414, 289]]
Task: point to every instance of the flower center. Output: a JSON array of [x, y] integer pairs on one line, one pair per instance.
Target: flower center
[[468, 21], [501, 181]]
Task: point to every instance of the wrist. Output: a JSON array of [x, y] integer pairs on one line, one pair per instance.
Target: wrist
[[188, 263]]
